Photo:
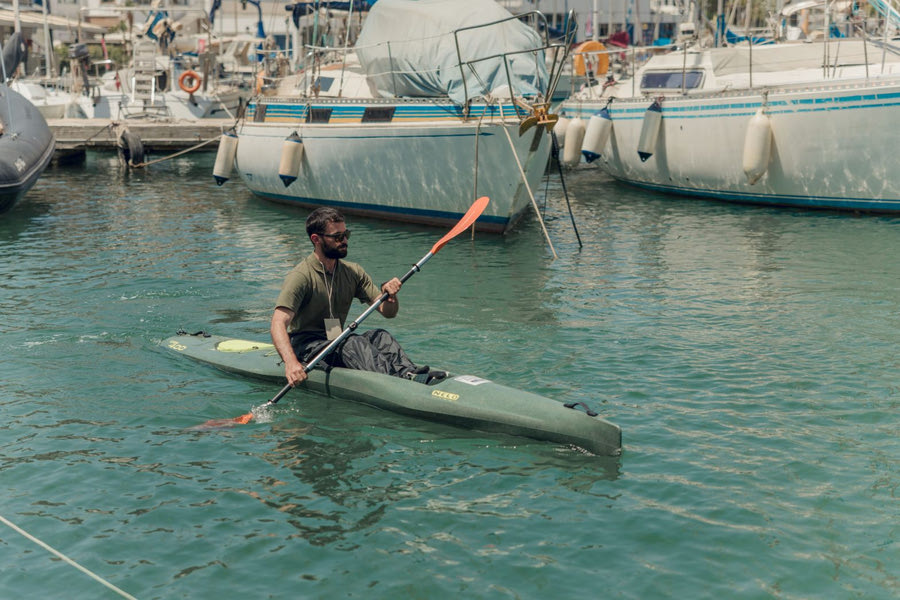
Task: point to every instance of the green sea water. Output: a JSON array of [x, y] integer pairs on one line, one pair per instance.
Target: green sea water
[[750, 356]]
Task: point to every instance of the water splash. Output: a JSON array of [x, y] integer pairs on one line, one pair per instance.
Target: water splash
[[263, 413]]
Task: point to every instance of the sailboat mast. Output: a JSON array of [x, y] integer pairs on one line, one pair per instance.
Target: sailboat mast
[[17, 26], [50, 71], [720, 23]]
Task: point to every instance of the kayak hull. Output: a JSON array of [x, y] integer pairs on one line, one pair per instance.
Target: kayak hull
[[460, 400]]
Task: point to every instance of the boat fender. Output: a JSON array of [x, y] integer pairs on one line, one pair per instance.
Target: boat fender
[[189, 81], [291, 155], [757, 146], [228, 144], [650, 131], [587, 409], [574, 138], [562, 124], [15, 52], [596, 135], [131, 149]]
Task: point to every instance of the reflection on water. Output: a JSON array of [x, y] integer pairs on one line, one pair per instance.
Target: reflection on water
[[348, 487]]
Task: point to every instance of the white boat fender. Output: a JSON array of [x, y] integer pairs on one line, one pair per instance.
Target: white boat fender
[[650, 131], [574, 138], [757, 146], [560, 130], [228, 144], [291, 155], [596, 135]]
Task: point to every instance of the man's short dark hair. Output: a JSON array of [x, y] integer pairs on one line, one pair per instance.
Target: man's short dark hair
[[318, 220]]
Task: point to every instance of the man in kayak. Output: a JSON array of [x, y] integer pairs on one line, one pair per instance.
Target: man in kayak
[[315, 300]]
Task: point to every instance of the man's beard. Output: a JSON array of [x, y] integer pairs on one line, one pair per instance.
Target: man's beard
[[339, 252]]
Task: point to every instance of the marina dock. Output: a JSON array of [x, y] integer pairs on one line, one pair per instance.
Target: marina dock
[[75, 136]]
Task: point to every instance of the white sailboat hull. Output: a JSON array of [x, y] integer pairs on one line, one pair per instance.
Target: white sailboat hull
[[425, 172], [832, 142]]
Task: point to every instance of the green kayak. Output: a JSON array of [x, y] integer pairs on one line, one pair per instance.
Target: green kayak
[[460, 400]]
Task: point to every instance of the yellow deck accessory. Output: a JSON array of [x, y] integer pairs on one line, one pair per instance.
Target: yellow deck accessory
[[540, 115], [241, 346]]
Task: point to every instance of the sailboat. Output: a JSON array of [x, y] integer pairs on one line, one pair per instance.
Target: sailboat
[[428, 110], [804, 123]]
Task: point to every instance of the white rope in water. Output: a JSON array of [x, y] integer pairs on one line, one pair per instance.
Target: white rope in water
[[62, 556]]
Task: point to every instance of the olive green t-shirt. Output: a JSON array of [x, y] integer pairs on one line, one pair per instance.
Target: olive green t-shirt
[[306, 292]]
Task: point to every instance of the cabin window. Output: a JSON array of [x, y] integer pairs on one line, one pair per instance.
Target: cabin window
[[671, 80], [378, 114], [318, 115], [259, 113], [323, 84]]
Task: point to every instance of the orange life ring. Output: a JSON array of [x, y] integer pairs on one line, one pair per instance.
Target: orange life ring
[[599, 61], [183, 82]]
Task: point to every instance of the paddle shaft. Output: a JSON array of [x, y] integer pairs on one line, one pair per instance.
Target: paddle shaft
[[467, 219], [349, 329]]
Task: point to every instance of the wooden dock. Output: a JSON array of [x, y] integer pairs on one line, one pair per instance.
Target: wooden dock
[[76, 136]]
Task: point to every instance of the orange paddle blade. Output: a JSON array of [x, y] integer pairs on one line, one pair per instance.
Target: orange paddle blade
[[243, 419], [470, 217], [224, 423]]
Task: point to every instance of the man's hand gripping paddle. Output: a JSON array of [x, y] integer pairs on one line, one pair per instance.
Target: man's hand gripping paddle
[[467, 220]]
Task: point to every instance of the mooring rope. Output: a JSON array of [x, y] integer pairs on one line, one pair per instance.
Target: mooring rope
[[65, 558], [101, 130], [554, 155], [177, 154], [237, 119]]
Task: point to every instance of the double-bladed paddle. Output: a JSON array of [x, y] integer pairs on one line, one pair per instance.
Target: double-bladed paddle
[[468, 219]]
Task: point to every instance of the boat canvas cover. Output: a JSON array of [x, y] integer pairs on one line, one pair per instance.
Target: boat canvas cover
[[407, 48], [791, 57]]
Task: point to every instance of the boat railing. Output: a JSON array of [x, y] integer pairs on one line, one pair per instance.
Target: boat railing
[[558, 52], [272, 65], [616, 63], [317, 58]]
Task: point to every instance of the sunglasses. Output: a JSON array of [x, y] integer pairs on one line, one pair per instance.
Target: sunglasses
[[338, 237]]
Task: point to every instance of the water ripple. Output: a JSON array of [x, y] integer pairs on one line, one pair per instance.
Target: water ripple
[[748, 354]]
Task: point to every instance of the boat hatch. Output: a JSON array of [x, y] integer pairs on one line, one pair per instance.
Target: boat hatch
[[378, 114], [672, 80], [318, 115]]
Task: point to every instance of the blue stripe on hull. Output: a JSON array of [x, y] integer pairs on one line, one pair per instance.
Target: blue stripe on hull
[[711, 108], [354, 112], [396, 213], [369, 136]]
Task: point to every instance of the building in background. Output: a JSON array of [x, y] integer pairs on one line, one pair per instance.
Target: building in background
[[598, 19]]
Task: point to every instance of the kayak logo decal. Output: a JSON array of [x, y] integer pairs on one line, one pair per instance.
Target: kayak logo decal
[[176, 346], [445, 395]]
